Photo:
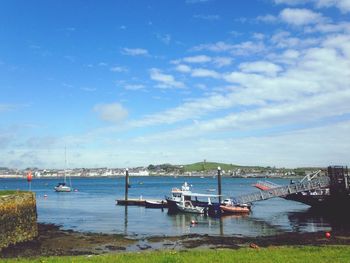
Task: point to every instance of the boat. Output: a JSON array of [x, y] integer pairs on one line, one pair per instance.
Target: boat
[[177, 194], [180, 196], [156, 204], [63, 187], [235, 209], [188, 207]]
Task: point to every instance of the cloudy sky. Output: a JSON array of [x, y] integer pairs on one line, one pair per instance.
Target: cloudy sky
[[128, 83]]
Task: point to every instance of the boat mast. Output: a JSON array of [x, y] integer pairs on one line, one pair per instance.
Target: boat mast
[[65, 162]]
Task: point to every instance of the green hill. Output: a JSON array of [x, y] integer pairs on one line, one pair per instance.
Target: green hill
[[208, 166]]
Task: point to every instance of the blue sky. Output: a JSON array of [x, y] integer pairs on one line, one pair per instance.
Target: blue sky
[[128, 83]]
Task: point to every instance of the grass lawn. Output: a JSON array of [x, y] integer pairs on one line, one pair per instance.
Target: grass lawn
[[271, 254], [9, 192]]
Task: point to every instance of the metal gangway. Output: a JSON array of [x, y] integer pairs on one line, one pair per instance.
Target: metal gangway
[[309, 183]]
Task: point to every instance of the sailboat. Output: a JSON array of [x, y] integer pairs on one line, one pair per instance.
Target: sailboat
[[63, 187]]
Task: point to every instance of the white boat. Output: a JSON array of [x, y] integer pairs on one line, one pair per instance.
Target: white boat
[[188, 207], [198, 203], [63, 187]]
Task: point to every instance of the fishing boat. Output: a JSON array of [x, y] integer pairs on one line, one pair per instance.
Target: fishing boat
[[176, 202], [156, 204], [177, 196], [188, 207]]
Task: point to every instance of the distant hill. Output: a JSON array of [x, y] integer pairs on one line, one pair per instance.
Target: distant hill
[[208, 166]]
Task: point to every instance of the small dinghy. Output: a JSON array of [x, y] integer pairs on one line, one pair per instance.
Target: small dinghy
[[235, 209]]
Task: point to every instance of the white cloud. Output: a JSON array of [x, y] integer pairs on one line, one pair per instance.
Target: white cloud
[[267, 18], [134, 87], [241, 49], [135, 52], [248, 48], [342, 5], [222, 61], [264, 67], [285, 39], [329, 28], [111, 112], [183, 68], [204, 73], [197, 59], [165, 80], [201, 59], [300, 17], [215, 47]]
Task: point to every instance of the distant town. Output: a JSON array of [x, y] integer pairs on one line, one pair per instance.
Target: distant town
[[196, 169]]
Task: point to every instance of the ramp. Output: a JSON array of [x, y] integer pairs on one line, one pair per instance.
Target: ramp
[[278, 191]]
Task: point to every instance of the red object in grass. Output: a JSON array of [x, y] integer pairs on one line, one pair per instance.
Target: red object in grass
[[328, 235]]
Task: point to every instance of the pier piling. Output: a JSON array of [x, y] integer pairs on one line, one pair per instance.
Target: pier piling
[[126, 184], [219, 184]]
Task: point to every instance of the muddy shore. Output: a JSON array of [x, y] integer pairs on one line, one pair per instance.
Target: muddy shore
[[53, 241]]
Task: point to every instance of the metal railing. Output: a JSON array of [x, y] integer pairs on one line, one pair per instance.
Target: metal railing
[[314, 184]]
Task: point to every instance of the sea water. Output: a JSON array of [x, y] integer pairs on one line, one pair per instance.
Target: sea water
[[92, 208]]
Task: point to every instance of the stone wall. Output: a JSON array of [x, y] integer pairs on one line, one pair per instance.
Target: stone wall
[[18, 218]]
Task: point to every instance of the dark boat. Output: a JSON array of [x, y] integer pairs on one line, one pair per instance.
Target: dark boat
[[156, 204]]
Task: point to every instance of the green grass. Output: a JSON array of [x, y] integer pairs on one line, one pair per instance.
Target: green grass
[[8, 192], [271, 254]]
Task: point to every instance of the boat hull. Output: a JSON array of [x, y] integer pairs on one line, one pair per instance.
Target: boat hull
[[229, 209], [63, 189], [322, 202], [156, 204], [192, 210]]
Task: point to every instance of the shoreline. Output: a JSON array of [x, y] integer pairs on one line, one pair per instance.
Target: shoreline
[[144, 176], [53, 241]]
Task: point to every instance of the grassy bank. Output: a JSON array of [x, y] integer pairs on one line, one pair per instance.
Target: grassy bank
[[271, 254], [9, 192]]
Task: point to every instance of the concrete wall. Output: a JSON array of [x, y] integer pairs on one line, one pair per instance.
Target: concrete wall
[[18, 218]]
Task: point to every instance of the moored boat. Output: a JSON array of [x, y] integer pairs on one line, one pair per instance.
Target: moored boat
[[62, 187], [235, 209], [156, 204], [188, 207]]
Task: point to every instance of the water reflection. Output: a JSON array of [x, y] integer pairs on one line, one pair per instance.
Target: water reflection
[[315, 220], [126, 220]]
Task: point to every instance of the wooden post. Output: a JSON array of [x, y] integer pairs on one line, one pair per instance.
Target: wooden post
[[126, 185], [219, 184]]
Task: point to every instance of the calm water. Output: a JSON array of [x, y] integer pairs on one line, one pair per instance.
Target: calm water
[[93, 208]]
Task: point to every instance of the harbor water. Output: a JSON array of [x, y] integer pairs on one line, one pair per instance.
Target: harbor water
[[92, 208]]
